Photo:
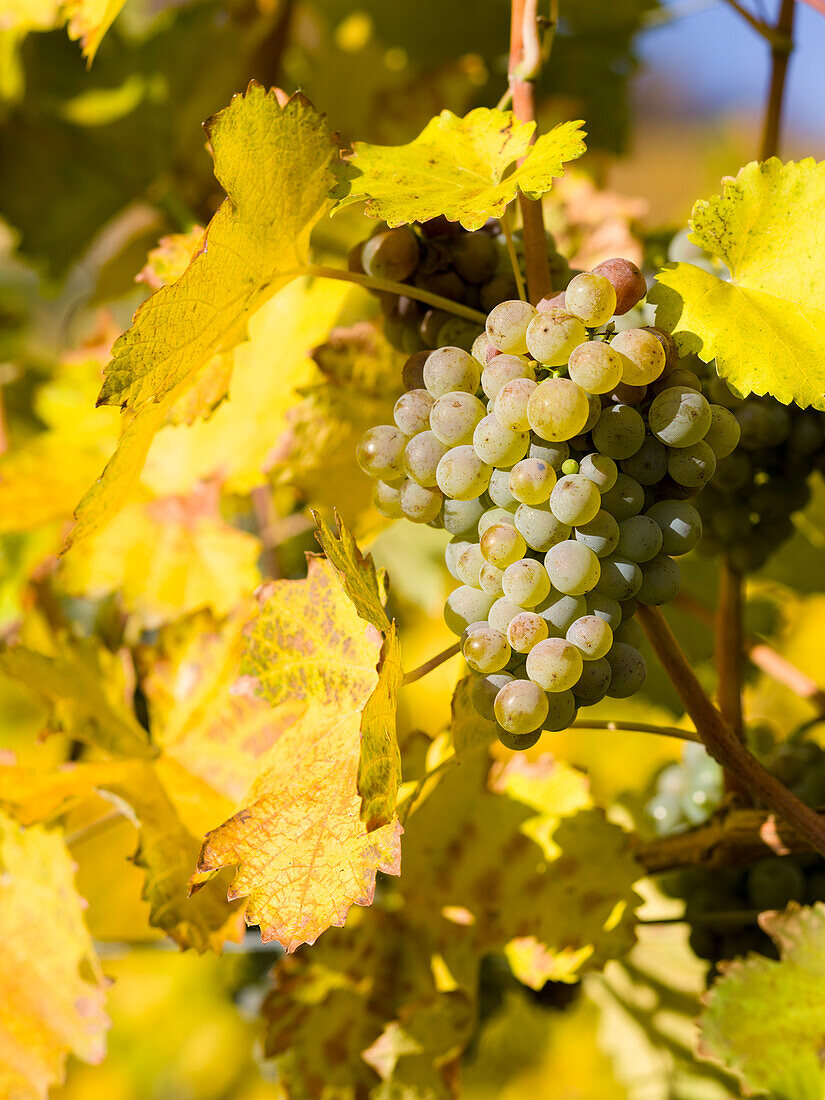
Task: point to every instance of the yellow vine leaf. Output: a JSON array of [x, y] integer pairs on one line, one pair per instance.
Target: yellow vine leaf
[[364, 585], [52, 991], [252, 247], [379, 766], [458, 167], [766, 326], [167, 262], [89, 20]]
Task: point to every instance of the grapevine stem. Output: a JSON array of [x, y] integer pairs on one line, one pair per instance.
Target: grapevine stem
[[374, 283], [728, 653], [428, 666], [637, 727], [758, 25], [511, 252], [719, 738], [781, 47]]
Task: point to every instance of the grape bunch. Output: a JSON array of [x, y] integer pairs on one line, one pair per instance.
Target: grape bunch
[[445, 259], [560, 455], [686, 794]]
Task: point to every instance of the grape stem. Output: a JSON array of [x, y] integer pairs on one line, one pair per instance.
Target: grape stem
[[720, 740], [636, 727], [318, 271], [428, 666], [511, 252], [781, 47]]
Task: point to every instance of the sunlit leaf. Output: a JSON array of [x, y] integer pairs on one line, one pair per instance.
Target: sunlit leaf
[[379, 766], [89, 20], [168, 261], [364, 586]]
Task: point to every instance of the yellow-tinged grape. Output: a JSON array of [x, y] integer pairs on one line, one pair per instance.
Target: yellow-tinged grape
[[450, 369], [486, 650], [387, 499], [573, 568], [511, 402], [418, 503], [552, 335], [412, 411], [591, 636], [502, 613], [422, 456], [558, 410], [507, 326], [521, 707], [465, 606], [575, 500], [644, 356], [454, 416], [380, 452], [526, 630], [554, 664], [531, 481], [468, 566], [461, 475], [591, 297], [502, 545], [595, 366], [502, 369], [526, 582], [499, 445], [490, 578]]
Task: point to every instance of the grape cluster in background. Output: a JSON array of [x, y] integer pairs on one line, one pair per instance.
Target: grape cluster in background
[[561, 456]]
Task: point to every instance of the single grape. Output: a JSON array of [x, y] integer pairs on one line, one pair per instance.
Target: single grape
[[469, 565], [679, 417], [571, 466], [640, 538], [620, 431], [486, 650], [412, 373], [554, 664], [452, 552], [723, 434], [449, 370], [474, 256], [591, 687], [591, 297], [591, 636], [380, 453], [560, 612], [454, 416], [521, 707], [482, 624], [601, 534], [625, 499], [499, 489], [466, 605], [649, 464], [461, 516], [572, 567], [412, 411], [558, 409], [493, 516], [512, 402], [554, 454], [692, 466], [484, 692], [461, 475], [422, 456], [626, 279], [503, 369], [480, 349], [605, 607], [661, 580], [561, 711], [680, 524], [531, 481], [552, 335], [620, 578], [643, 356], [628, 671], [387, 499], [502, 545], [502, 613], [419, 503], [575, 500], [507, 326], [539, 527], [392, 254], [497, 445], [490, 579], [526, 582], [595, 366], [600, 469], [630, 633], [526, 630]]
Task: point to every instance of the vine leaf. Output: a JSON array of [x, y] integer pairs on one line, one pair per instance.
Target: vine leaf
[[456, 167], [379, 765], [251, 249], [89, 20], [765, 1019], [52, 990], [364, 585], [766, 327]]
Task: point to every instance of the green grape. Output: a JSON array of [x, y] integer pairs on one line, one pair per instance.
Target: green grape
[[591, 687], [620, 432], [600, 469], [554, 664], [625, 499], [591, 636], [630, 633], [558, 409], [640, 538], [419, 503], [649, 464], [604, 607], [526, 582], [486, 650], [499, 489], [502, 545], [387, 500], [772, 883], [591, 297], [454, 417], [502, 613], [554, 454], [560, 612], [627, 281], [492, 516], [380, 453], [595, 366], [575, 500], [461, 516], [643, 356], [450, 370], [422, 456], [601, 534], [526, 630], [469, 565], [628, 671], [461, 474], [490, 579], [474, 256], [511, 403], [561, 711], [692, 466], [680, 524], [571, 466], [539, 527], [497, 445], [620, 578], [484, 692], [392, 254], [572, 567], [552, 335], [457, 332], [507, 326], [412, 373], [723, 434], [661, 580], [521, 707], [503, 369], [412, 411], [679, 417], [531, 481], [464, 606], [518, 742]]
